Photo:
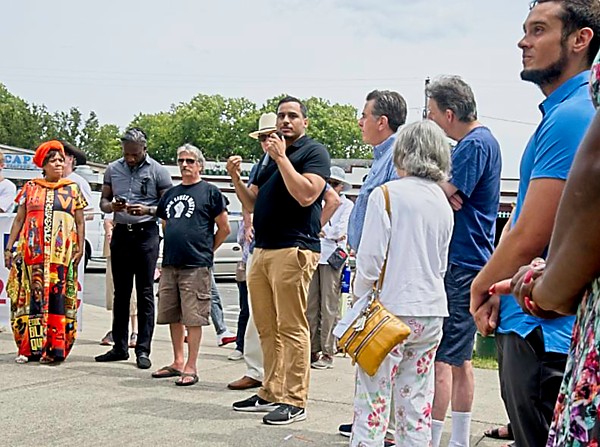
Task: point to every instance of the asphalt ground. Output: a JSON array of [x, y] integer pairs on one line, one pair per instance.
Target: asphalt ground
[[84, 403]]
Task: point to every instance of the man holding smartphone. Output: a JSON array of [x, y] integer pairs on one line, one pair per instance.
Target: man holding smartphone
[[132, 185]]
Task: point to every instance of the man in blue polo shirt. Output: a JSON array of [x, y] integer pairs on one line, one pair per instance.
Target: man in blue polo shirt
[[561, 39], [474, 193]]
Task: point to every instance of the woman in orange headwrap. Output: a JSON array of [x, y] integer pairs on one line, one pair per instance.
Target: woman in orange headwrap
[[42, 285]]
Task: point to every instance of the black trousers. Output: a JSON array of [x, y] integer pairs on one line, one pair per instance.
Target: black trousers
[[134, 252], [530, 379], [244, 315]]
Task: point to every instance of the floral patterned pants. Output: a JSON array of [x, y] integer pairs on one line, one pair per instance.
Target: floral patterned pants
[[407, 373]]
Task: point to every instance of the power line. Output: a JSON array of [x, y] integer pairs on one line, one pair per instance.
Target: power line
[[508, 120]]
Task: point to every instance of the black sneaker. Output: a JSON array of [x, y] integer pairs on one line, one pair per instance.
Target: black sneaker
[[112, 356], [254, 404], [285, 414], [345, 430]]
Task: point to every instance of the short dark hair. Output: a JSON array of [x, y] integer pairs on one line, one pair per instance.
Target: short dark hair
[[389, 104], [303, 108], [577, 14], [135, 135], [452, 93]]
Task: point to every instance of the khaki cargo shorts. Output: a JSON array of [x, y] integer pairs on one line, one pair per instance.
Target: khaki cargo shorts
[[184, 296]]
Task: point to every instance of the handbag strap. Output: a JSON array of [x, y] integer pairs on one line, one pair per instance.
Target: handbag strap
[[388, 209]]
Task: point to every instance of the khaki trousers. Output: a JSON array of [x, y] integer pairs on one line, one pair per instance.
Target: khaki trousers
[[252, 351], [323, 308], [278, 284]]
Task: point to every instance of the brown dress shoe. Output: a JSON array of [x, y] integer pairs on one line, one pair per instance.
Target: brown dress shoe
[[244, 383]]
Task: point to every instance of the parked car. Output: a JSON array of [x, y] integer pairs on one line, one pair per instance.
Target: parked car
[[94, 230], [229, 253]]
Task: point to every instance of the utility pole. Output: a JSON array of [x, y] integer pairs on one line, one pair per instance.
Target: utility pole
[[427, 80]]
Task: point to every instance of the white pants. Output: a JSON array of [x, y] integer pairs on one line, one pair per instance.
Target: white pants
[[252, 351], [407, 374]]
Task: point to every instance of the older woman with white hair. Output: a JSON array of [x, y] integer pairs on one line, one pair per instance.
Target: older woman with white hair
[[417, 234]]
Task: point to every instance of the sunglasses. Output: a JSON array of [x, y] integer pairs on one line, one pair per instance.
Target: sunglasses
[[334, 183], [189, 161], [263, 138], [144, 187]]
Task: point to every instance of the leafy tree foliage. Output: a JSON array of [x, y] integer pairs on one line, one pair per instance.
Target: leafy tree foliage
[[217, 125]]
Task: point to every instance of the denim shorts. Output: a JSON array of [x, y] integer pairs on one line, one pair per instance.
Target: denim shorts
[[459, 328]]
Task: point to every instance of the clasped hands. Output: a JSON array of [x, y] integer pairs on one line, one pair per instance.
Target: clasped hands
[[485, 307]]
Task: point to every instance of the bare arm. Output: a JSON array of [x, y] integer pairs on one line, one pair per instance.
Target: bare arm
[[525, 240], [332, 202], [106, 201], [573, 260], [223, 229], [304, 188], [454, 197], [80, 225], [247, 195], [248, 230], [15, 229]]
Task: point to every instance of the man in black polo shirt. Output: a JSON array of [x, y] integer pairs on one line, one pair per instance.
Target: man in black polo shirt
[[132, 183], [286, 199]]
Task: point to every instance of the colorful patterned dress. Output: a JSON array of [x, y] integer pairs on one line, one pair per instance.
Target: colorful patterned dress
[[576, 419], [43, 287]]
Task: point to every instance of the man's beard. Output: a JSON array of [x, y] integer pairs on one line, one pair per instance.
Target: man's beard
[[546, 76]]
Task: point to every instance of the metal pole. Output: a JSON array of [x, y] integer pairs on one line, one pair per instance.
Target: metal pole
[[427, 80]]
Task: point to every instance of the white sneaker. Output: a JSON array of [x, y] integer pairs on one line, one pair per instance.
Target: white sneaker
[[225, 338], [236, 355]]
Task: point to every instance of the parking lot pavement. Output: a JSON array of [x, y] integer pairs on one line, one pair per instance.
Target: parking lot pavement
[[81, 402]]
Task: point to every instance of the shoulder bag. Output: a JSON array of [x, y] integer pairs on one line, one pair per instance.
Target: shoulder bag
[[376, 330]]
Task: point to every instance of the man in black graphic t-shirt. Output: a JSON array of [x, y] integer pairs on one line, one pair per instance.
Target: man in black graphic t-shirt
[[190, 211]]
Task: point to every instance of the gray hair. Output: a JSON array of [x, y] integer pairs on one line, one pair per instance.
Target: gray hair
[[452, 93], [389, 104], [190, 148], [422, 150]]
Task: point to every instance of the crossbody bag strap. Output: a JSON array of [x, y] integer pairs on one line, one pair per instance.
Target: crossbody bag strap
[[388, 209]]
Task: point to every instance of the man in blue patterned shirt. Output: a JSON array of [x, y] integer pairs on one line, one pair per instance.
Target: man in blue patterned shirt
[[383, 114]]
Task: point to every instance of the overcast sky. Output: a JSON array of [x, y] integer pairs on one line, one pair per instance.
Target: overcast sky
[[120, 58]]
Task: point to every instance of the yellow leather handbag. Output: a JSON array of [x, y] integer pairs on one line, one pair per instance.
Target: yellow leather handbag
[[376, 330]]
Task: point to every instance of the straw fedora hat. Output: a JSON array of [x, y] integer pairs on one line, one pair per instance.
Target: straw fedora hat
[[266, 124], [339, 175]]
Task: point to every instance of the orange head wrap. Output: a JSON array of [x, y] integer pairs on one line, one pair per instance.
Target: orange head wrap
[[44, 148]]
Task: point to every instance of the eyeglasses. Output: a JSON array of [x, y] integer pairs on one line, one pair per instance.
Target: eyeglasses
[[189, 161]]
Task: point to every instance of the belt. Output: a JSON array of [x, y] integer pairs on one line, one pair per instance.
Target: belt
[[138, 226]]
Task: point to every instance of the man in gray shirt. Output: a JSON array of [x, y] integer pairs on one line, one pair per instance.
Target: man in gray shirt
[[131, 185]]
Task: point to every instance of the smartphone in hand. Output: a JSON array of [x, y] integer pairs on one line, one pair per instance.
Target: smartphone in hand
[[120, 200]]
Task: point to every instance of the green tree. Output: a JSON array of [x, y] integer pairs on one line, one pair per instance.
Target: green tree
[[19, 125]]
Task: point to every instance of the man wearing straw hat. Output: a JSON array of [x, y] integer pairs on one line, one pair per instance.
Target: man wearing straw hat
[[324, 291]]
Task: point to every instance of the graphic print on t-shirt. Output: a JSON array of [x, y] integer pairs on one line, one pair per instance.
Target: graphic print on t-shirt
[[182, 204]]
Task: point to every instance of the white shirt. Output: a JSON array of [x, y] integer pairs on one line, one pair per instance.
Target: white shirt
[[8, 192], [85, 188], [336, 229], [419, 234]]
